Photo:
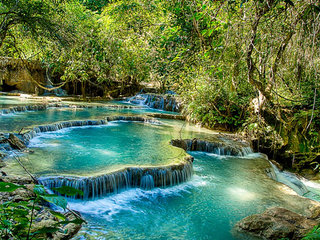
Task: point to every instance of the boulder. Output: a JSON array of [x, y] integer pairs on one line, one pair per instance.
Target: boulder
[[276, 223], [21, 194], [179, 143], [44, 218], [68, 230]]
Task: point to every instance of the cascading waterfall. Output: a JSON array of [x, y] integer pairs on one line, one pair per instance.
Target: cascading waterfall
[[147, 182], [133, 177], [289, 179], [23, 109], [43, 107], [145, 178], [58, 126], [219, 148], [133, 119], [157, 101]]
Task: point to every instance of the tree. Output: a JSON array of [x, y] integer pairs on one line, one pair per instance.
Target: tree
[[33, 16]]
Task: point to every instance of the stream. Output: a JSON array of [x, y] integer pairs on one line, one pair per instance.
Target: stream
[[221, 190]]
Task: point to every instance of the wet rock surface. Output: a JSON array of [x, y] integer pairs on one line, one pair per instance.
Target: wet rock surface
[[213, 146], [15, 142], [2, 137], [114, 182], [277, 223], [167, 116]]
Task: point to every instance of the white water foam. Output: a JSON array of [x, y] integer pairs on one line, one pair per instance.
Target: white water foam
[[12, 114], [311, 184], [156, 123], [217, 156], [111, 205], [62, 133]]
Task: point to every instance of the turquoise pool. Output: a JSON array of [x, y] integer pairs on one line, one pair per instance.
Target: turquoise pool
[[222, 190]]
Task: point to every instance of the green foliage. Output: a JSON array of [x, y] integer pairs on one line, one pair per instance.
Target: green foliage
[[314, 234], [16, 218], [8, 187], [95, 5], [236, 64], [31, 18]]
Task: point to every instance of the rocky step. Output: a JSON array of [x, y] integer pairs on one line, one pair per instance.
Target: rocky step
[[167, 116], [42, 107], [217, 147]]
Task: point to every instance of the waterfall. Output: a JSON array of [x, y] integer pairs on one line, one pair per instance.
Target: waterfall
[[58, 126], [98, 186], [147, 182], [23, 109], [43, 107], [289, 179], [133, 119], [218, 147], [157, 101], [132, 177]]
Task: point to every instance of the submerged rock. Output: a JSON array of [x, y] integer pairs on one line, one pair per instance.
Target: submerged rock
[[15, 142], [277, 223]]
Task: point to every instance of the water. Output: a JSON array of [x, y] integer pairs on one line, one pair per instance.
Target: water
[[165, 102], [222, 190], [302, 186], [9, 101], [89, 150], [16, 121]]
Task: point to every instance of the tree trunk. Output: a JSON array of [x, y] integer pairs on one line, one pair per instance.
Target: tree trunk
[[83, 89]]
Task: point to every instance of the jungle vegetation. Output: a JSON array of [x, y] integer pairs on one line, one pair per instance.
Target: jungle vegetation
[[241, 65]]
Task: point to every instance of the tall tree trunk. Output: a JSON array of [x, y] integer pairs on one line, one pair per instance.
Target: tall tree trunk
[[83, 89]]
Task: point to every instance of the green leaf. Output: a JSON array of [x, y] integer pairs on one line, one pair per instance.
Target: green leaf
[[39, 190], [69, 191], [9, 187], [56, 200], [58, 215]]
